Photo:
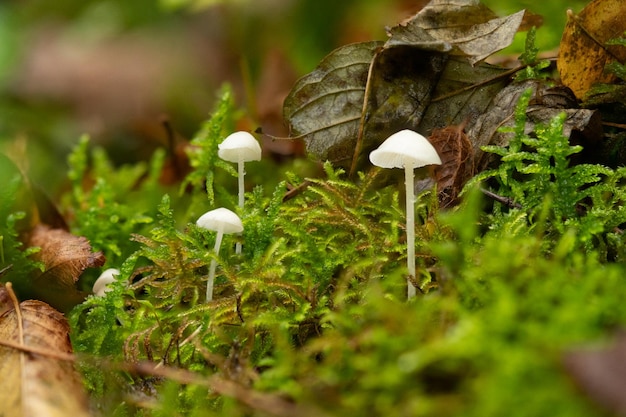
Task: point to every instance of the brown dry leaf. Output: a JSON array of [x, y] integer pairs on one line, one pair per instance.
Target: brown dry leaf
[[459, 28], [325, 105], [455, 150], [34, 384], [583, 54], [64, 257], [399, 90], [426, 76]]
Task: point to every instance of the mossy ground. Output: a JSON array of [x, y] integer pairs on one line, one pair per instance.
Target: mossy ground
[[314, 311]]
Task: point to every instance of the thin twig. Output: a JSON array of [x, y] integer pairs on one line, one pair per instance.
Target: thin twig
[[294, 191], [363, 119], [271, 404], [507, 201], [62, 356]]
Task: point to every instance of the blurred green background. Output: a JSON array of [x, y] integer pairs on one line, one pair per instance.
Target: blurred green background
[[114, 69]]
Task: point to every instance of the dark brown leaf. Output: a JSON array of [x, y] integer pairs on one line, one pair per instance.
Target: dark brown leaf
[[462, 28], [463, 92], [325, 106], [400, 87], [362, 93], [423, 91]]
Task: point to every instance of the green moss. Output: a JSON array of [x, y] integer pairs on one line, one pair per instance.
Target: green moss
[[313, 310]]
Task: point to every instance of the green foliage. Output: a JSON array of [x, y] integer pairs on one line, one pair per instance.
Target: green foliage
[[537, 174], [17, 211], [487, 344], [313, 310], [203, 150], [312, 313], [617, 68], [533, 66], [107, 204]]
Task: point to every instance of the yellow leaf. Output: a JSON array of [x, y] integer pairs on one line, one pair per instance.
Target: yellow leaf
[[583, 53]]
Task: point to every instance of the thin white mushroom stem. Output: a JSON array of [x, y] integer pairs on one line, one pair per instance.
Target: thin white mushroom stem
[[409, 150], [240, 147], [220, 220], [410, 228], [216, 249], [240, 176]]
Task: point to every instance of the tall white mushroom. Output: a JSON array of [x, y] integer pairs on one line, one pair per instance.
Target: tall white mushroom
[[240, 147], [409, 150], [220, 220]]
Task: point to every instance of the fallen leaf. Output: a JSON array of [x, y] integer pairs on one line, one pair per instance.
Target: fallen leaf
[[601, 373], [457, 27], [64, 256], [463, 92], [400, 87], [38, 384], [422, 91], [582, 126], [423, 78], [583, 52], [456, 153], [325, 106]]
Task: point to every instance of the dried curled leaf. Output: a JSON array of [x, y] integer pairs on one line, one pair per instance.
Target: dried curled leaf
[[64, 257], [460, 27], [456, 153], [33, 384], [584, 53]]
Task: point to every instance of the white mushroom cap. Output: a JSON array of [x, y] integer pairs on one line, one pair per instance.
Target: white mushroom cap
[[101, 286], [221, 219], [239, 146], [405, 148]]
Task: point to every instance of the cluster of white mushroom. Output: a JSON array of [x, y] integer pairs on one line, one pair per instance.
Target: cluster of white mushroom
[[405, 149], [239, 147]]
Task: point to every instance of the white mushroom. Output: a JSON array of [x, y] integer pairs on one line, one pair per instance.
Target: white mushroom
[[101, 286], [409, 150], [222, 221], [240, 147]]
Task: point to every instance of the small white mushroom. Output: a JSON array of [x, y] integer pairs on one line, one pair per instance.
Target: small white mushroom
[[101, 286], [220, 220], [409, 150], [240, 147]]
